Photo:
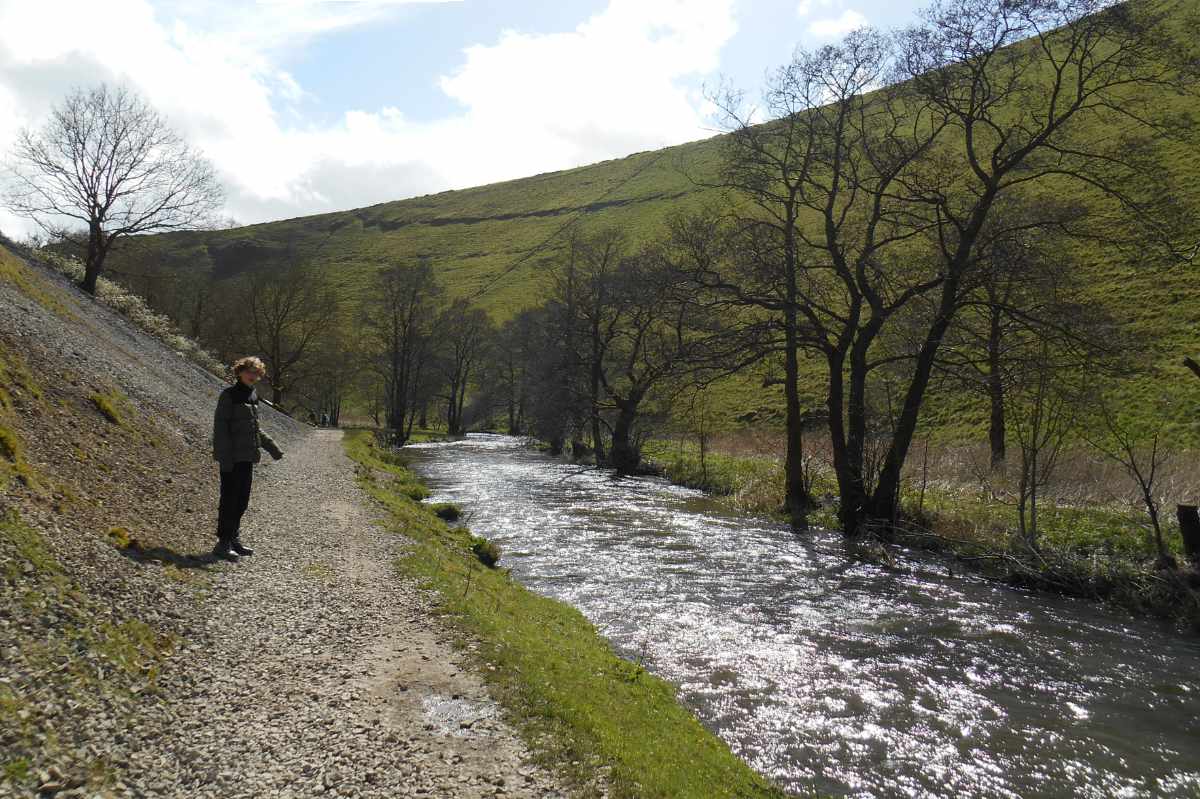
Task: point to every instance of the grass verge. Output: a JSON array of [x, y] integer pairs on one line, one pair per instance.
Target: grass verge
[[584, 708]]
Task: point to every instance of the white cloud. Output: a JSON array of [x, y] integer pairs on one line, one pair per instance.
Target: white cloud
[[833, 27], [806, 7], [621, 81]]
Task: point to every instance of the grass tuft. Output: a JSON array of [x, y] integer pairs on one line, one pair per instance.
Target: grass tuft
[[109, 405], [12, 460], [488, 552], [121, 537]]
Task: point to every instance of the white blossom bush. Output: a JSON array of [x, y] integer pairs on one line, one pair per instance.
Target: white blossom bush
[[134, 308]]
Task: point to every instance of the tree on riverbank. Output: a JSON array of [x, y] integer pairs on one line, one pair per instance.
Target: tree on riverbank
[[620, 327], [464, 335], [878, 200], [398, 318]]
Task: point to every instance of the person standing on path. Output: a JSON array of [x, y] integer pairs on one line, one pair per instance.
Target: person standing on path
[[236, 441]]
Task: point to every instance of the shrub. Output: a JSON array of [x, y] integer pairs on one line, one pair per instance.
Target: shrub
[[488, 552], [447, 511], [121, 538]]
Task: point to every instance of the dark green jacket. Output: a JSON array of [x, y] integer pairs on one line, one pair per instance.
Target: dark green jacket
[[236, 434]]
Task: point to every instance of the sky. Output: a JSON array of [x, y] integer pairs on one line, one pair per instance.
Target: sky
[[307, 106]]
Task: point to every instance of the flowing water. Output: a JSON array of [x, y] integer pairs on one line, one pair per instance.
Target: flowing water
[[840, 677]]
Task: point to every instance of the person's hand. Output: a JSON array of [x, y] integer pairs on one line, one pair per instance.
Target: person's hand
[[277, 454]]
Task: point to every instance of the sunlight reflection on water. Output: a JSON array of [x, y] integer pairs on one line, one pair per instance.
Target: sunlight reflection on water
[[835, 676]]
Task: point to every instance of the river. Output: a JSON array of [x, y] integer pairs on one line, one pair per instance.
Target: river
[[844, 678]]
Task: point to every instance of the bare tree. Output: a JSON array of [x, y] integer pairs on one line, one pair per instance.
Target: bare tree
[[1044, 410], [108, 162], [654, 338], [1141, 454], [583, 285], [463, 333], [512, 367], [290, 309]]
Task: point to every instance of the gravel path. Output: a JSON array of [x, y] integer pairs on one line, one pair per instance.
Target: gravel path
[[322, 672]]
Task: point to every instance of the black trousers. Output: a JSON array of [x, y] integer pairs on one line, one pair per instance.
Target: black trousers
[[235, 496]]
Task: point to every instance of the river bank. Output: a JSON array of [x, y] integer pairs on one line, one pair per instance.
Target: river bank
[[1089, 549], [565, 687], [830, 674]]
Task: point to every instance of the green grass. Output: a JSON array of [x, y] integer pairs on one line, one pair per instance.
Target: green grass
[[27, 546], [752, 483], [581, 705], [16, 271], [424, 435], [110, 404], [15, 377], [17, 384], [13, 464]]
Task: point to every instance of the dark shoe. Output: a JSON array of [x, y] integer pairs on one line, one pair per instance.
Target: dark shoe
[[239, 548], [224, 550]]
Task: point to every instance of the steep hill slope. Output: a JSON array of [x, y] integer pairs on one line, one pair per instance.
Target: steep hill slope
[[485, 242], [106, 493]]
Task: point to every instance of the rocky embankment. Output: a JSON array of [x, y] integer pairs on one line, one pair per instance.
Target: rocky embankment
[[132, 664]]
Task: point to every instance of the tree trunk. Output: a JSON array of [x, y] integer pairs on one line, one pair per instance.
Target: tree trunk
[[335, 411], [887, 493], [995, 388], [594, 391], [94, 264], [852, 496], [623, 456], [1189, 530], [797, 501]]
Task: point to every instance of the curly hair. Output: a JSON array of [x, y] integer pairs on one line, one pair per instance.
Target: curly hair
[[249, 362]]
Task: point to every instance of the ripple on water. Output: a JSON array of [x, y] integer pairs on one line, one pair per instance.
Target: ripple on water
[[837, 676]]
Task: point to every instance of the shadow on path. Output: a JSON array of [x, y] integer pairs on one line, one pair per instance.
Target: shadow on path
[[139, 554]]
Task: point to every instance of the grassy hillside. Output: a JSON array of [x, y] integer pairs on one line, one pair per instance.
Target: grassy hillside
[[487, 243]]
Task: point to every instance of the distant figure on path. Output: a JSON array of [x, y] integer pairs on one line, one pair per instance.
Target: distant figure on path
[[236, 441]]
